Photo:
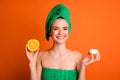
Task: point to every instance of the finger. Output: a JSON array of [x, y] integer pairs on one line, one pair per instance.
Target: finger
[[91, 61], [86, 59], [37, 50], [36, 55], [28, 53], [98, 56], [26, 49]]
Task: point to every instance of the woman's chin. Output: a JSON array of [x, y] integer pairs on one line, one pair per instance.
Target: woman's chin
[[60, 41]]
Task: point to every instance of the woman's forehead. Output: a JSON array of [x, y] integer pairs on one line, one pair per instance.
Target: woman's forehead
[[59, 26], [60, 22]]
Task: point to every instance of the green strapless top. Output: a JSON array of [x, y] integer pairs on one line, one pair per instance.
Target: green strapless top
[[58, 74]]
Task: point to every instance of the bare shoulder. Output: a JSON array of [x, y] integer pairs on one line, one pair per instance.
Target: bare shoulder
[[41, 54], [76, 54]]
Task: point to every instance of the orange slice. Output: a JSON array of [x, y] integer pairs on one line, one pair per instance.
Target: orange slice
[[33, 44]]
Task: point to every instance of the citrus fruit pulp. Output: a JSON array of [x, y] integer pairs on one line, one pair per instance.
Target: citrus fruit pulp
[[33, 44]]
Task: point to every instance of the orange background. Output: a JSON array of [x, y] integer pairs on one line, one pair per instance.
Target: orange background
[[95, 25]]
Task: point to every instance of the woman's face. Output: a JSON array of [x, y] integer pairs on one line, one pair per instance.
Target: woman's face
[[59, 30]]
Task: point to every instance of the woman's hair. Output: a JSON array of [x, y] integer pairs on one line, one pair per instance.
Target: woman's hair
[[59, 11]]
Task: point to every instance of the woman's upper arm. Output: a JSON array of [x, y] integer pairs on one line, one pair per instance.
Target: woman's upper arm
[[79, 62], [39, 65]]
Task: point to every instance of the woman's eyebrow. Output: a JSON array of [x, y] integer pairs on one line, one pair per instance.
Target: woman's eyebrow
[[65, 27], [58, 27], [54, 26]]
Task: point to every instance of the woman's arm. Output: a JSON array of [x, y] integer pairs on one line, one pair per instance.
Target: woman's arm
[[80, 68], [82, 73], [81, 65], [39, 66], [34, 64], [36, 69], [33, 71]]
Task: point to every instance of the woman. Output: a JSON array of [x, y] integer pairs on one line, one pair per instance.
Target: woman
[[59, 62]]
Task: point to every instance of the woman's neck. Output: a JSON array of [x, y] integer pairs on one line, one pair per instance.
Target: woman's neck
[[59, 48]]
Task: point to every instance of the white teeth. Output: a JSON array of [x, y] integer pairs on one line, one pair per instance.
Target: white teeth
[[59, 37]]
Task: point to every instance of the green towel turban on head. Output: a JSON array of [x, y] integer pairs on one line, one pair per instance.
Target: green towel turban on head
[[59, 11]]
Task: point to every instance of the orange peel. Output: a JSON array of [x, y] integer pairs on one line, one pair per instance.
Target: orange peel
[[33, 44]]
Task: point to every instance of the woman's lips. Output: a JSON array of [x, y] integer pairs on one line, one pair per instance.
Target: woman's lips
[[60, 37]]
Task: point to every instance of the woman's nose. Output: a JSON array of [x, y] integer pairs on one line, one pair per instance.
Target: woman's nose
[[60, 31]]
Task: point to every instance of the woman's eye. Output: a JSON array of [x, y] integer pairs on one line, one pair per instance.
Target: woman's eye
[[55, 29], [65, 28]]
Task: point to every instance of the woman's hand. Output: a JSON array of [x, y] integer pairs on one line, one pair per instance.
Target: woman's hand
[[32, 56], [90, 58]]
